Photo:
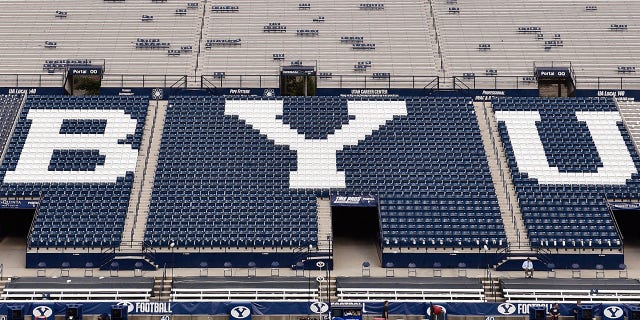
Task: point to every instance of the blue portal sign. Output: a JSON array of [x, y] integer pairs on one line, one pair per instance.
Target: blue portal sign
[[553, 73], [86, 71]]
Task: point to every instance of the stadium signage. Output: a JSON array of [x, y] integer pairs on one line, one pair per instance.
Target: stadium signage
[[240, 91], [240, 312], [152, 307], [611, 93], [357, 201], [86, 71], [519, 308], [369, 92], [624, 206], [613, 312], [553, 73], [487, 95], [490, 311], [23, 91], [319, 307], [18, 204]]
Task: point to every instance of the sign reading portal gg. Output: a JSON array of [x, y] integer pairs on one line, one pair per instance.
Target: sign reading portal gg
[[553, 73], [86, 71]]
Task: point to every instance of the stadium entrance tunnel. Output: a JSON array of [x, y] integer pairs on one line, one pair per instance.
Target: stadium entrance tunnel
[[14, 228], [83, 81], [356, 235], [628, 221]]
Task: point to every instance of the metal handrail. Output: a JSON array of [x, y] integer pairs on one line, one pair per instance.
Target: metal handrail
[[476, 82], [144, 171], [615, 222], [502, 177]]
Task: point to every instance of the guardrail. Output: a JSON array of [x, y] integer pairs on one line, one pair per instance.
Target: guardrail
[[324, 80]]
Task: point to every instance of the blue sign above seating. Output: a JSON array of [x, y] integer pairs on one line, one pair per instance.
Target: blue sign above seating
[[354, 201], [18, 204]]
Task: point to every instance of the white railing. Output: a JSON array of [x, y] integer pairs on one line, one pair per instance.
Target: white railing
[[93, 295], [244, 294], [410, 295], [552, 296]]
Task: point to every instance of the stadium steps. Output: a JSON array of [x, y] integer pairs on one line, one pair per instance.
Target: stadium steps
[[3, 284], [138, 211], [629, 111], [162, 288], [501, 175], [202, 25], [493, 290], [11, 114], [435, 37], [331, 289], [324, 223]]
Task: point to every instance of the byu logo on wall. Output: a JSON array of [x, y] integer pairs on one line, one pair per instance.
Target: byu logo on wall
[[240, 312], [506, 308], [613, 312], [42, 311], [443, 310], [129, 305], [319, 307]]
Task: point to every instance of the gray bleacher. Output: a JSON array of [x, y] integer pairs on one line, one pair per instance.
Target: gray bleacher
[[595, 39], [400, 32], [97, 31], [244, 288], [78, 289], [402, 38], [570, 290], [410, 289]]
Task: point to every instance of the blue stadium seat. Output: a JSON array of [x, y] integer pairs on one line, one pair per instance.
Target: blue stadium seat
[[567, 215], [236, 180], [79, 215]]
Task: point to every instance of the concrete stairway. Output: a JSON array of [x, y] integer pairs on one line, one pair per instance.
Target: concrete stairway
[[630, 113], [138, 211], [162, 290], [433, 30], [324, 223], [328, 292], [501, 175], [3, 283], [493, 290]]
